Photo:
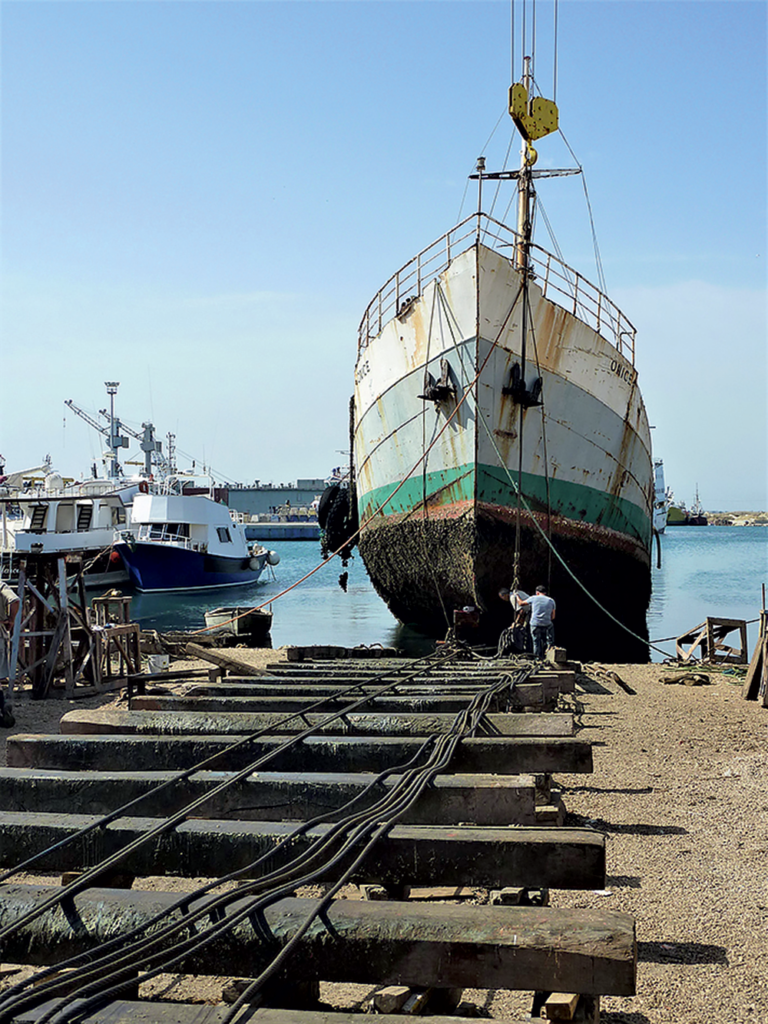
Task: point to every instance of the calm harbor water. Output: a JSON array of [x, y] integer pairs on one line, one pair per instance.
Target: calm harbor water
[[708, 570], [712, 570]]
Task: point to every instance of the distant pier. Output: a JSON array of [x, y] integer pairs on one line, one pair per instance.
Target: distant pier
[[282, 530]]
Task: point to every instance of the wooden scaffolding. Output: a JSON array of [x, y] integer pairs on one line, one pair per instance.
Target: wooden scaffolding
[[55, 636]]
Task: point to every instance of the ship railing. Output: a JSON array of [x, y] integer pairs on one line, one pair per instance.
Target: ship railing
[[558, 282]]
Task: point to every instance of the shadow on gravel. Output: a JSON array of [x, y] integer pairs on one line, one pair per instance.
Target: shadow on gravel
[[598, 789], [639, 829], [624, 881], [589, 685], [624, 1018], [681, 953], [601, 714]]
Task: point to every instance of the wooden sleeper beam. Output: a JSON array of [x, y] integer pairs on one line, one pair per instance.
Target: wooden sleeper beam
[[413, 855], [528, 948], [503, 755], [270, 796], [191, 723]]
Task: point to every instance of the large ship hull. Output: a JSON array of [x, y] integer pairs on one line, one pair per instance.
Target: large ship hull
[[437, 480]]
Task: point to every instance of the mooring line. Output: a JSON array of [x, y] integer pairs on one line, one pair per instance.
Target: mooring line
[[353, 537]]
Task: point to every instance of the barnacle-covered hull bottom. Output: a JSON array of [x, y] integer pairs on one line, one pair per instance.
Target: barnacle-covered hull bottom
[[424, 567]]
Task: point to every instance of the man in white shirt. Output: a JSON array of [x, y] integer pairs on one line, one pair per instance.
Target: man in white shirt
[[542, 621]]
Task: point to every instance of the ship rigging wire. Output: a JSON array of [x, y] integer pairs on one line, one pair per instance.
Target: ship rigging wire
[[361, 526], [546, 461], [436, 295], [565, 565], [595, 244]]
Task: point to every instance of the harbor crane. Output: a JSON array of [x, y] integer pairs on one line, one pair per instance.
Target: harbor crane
[[116, 440]]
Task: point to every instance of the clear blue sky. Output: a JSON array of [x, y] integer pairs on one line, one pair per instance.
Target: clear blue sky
[[200, 198]]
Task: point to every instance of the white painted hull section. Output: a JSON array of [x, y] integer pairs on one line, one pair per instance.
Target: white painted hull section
[[593, 424]]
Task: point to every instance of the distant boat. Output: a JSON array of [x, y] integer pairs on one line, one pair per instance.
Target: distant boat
[[679, 515], [696, 516], [188, 542]]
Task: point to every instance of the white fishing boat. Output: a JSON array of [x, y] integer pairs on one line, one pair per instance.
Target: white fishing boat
[[500, 437], [54, 517], [188, 542], [662, 498]]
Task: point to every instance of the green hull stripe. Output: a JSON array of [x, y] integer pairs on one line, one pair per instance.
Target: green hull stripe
[[571, 500]]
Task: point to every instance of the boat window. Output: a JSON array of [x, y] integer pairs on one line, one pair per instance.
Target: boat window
[[37, 522], [118, 515], [169, 531], [84, 516], [224, 536], [65, 517]]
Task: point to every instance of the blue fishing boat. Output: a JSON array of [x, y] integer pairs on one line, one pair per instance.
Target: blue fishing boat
[[188, 542]]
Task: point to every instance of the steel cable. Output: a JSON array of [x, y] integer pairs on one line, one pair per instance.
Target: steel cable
[[181, 815], [394, 804], [189, 896], [193, 943], [183, 902]]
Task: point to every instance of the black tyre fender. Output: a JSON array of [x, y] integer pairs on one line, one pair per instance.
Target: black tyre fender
[[325, 503]]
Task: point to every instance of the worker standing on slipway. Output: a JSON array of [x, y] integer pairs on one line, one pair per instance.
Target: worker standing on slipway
[[542, 621]]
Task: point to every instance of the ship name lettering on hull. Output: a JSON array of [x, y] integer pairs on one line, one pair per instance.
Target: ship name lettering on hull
[[627, 373]]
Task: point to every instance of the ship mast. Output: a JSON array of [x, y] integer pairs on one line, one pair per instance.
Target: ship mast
[[524, 184], [534, 118]]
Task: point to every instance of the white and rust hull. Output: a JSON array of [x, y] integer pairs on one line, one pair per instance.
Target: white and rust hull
[[442, 535]]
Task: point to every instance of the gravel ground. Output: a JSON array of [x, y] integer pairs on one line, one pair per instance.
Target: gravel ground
[[679, 789]]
